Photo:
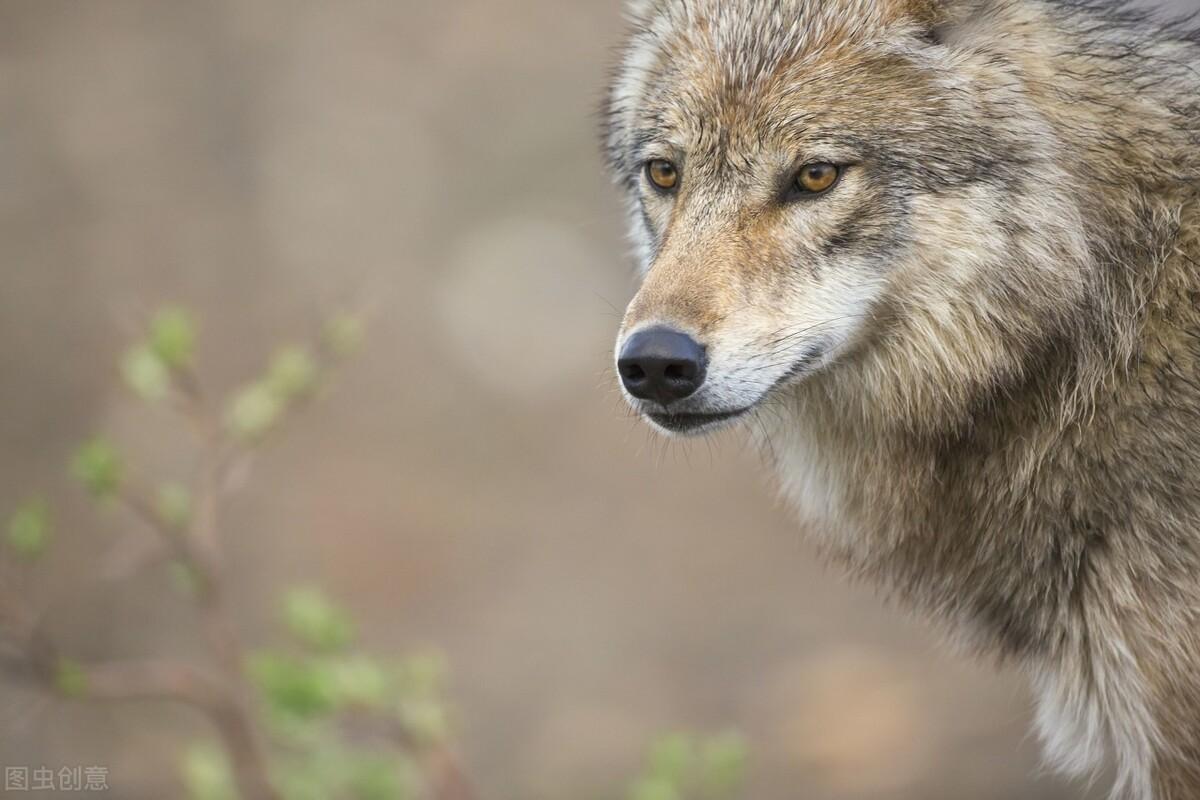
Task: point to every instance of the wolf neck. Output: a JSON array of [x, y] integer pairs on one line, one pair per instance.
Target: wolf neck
[[999, 518]]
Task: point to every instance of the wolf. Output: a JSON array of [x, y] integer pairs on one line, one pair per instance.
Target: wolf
[[941, 258]]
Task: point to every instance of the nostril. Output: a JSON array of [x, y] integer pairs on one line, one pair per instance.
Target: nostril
[[680, 371], [632, 372]]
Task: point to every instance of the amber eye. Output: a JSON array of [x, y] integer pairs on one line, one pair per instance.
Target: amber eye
[[662, 174], [816, 178]]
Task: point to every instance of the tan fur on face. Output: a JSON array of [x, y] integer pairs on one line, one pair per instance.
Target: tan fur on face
[[978, 356]]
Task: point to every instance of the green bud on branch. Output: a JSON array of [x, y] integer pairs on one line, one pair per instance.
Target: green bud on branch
[[344, 334], [254, 411], [145, 373], [98, 466], [29, 529], [315, 621], [292, 373], [173, 337], [299, 687]]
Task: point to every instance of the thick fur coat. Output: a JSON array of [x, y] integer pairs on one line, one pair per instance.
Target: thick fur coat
[[975, 360]]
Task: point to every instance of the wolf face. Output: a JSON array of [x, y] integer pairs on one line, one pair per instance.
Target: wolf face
[[821, 195]]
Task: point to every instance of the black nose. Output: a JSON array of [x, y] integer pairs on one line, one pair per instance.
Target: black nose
[[661, 364]]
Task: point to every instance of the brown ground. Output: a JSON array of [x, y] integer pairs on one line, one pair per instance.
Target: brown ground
[[474, 482]]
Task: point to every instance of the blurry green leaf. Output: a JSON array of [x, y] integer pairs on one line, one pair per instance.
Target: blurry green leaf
[[291, 731], [361, 681], [315, 621], [681, 766], [722, 766], [29, 529], [292, 373], [375, 777], [70, 679], [145, 373], [654, 788], [254, 410], [98, 466], [344, 334], [296, 781], [173, 504], [302, 687], [207, 774], [424, 719], [173, 337], [330, 771], [671, 757]]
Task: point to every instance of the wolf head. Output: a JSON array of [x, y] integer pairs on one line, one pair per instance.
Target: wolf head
[[856, 197]]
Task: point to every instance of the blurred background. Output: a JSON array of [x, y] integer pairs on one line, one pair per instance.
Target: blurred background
[[472, 482]]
